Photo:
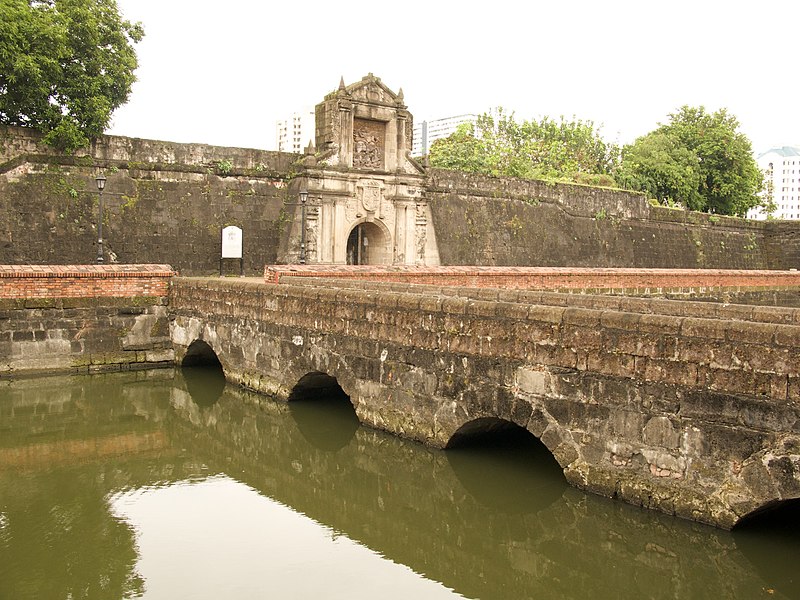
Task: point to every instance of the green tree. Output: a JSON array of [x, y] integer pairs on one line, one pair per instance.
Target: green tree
[[544, 149], [698, 159], [662, 168], [65, 66]]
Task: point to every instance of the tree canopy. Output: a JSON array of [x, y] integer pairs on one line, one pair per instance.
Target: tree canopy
[[65, 66], [699, 160], [545, 149]]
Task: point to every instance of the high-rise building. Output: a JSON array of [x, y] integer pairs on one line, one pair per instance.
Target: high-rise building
[[296, 132], [427, 132], [781, 167]]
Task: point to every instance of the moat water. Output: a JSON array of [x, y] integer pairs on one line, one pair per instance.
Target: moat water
[[176, 485]]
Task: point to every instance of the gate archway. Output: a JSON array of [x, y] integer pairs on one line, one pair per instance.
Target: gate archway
[[368, 244]]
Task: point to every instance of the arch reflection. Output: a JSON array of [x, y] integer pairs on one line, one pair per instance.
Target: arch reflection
[[770, 539], [505, 467], [323, 412], [202, 371]]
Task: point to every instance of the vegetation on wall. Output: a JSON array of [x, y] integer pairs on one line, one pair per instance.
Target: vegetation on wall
[[498, 145], [699, 160], [65, 66]]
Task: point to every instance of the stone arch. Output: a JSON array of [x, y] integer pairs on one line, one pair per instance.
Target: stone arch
[[314, 384], [368, 243], [504, 466], [480, 427], [769, 481], [200, 354], [203, 373], [323, 412]]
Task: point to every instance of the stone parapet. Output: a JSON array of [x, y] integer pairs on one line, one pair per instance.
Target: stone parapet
[[622, 281]]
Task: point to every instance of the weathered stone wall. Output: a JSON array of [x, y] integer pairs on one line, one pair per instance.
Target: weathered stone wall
[[694, 414], [486, 221], [168, 202], [83, 318], [163, 203]]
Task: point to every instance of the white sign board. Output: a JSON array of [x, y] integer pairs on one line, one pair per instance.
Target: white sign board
[[232, 242]]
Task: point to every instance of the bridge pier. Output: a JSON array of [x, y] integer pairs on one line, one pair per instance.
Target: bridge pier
[[688, 414]]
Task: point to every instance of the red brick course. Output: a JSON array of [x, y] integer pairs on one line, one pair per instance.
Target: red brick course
[[546, 278], [84, 281]]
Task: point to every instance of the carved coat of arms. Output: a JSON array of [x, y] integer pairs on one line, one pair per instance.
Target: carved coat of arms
[[371, 194]]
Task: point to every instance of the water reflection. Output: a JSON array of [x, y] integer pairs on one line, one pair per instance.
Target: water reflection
[[71, 448], [323, 412], [771, 543], [509, 471], [205, 385]]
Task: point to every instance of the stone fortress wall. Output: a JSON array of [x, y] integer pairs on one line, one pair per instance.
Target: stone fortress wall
[[167, 203]]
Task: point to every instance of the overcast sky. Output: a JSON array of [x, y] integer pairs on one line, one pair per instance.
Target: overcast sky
[[224, 72]]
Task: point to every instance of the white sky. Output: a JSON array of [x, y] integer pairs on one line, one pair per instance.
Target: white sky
[[224, 72]]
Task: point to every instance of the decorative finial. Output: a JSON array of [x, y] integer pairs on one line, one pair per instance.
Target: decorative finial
[[400, 94], [341, 84]]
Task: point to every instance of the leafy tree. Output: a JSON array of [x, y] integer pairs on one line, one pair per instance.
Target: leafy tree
[[662, 168], [699, 160], [545, 149], [65, 66]]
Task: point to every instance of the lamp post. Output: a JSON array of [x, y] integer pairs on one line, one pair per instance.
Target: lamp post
[[303, 198], [101, 184]]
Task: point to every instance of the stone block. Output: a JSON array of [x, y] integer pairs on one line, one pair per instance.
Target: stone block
[[661, 432], [611, 363], [581, 338], [735, 381], [582, 317], [546, 314], [625, 425], [620, 320], [660, 324], [787, 335], [481, 308], [532, 381], [664, 371], [704, 328], [751, 333]]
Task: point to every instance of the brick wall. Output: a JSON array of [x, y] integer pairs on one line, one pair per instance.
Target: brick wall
[[84, 281], [83, 318]]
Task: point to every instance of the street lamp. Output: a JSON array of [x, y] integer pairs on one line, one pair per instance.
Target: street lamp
[[101, 184], [303, 198]]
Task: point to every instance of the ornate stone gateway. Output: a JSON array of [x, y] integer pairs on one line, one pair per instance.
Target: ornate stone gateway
[[365, 202]]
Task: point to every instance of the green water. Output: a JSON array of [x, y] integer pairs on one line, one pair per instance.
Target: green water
[[174, 485]]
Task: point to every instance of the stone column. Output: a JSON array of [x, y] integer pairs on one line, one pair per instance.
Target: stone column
[[346, 134]]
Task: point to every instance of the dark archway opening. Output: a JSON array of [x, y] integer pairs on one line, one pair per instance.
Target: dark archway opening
[[366, 245], [505, 467], [770, 539], [323, 412], [203, 373]]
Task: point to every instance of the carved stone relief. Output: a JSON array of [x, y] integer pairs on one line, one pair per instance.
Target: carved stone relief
[[368, 144], [371, 194], [421, 227]]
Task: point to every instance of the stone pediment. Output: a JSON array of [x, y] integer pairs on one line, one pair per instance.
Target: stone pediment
[[369, 90], [365, 126]]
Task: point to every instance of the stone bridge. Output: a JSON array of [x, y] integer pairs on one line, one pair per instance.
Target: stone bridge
[[690, 408]]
